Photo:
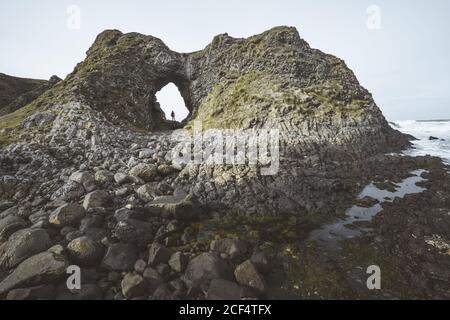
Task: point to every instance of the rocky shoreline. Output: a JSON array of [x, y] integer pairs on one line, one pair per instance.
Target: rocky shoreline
[[136, 235], [87, 179]]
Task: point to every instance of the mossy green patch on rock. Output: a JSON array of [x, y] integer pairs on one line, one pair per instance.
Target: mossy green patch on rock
[[16, 93], [364, 253], [309, 277], [11, 124], [252, 99], [276, 229]]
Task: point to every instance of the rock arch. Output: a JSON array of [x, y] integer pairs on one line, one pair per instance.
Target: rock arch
[[274, 79], [122, 74], [170, 99]]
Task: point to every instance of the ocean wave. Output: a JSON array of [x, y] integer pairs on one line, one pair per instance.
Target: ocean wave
[[423, 131]]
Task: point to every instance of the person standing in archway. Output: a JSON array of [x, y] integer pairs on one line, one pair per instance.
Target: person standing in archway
[[173, 115]]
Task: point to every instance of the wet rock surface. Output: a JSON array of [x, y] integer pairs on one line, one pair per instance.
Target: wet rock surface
[[237, 256], [84, 187]]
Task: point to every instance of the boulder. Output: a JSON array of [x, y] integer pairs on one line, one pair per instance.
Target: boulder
[[104, 176], [24, 211], [163, 292], [22, 245], [85, 251], [232, 247], [122, 178], [134, 231], [158, 254], [133, 286], [125, 214], [206, 267], [40, 216], [123, 192], [9, 225], [178, 261], [163, 269], [69, 191], [86, 179], [181, 207], [262, 261], [140, 266], [153, 278], [120, 257], [96, 199], [247, 275], [92, 221], [6, 204], [146, 154], [69, 214], [9, 212], [146, 192], [147, 172], [165, 170], [38, 269]]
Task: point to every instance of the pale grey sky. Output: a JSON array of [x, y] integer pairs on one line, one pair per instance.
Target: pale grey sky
[[405, 63]]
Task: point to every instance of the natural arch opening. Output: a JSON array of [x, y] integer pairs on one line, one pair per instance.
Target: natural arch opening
[[170, 100]]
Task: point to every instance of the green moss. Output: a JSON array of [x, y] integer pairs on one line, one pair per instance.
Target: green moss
[[307, 274], [11, 124], [309, 277], [195, 246], [363, 253], [336, 99], [276, 229], [254, 97], [232, 103], [311, 274]]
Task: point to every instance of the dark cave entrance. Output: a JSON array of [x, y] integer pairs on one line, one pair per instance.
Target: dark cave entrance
[[170, 99]]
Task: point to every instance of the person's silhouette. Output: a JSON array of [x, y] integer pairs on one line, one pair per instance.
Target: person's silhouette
[[173, 115]]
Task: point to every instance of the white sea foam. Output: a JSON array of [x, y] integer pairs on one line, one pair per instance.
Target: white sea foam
[[423, 130]]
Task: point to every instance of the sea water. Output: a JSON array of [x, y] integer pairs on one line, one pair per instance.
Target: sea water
[[329, 236], [423, 130]]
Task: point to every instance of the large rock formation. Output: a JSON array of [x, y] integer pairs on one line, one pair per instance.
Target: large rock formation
[[269, 81], [99, 139]]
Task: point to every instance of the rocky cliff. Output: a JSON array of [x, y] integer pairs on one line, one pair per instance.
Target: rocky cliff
[[16, 93], [269, 81], [87, 173]]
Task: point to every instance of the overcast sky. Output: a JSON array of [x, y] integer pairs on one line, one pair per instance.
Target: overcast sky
[[398, 49]]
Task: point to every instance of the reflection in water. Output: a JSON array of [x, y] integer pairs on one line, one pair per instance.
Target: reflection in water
[[328, 237]]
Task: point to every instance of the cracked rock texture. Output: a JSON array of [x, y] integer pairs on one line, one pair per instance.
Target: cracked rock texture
[[269, 81], [87, 167]]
